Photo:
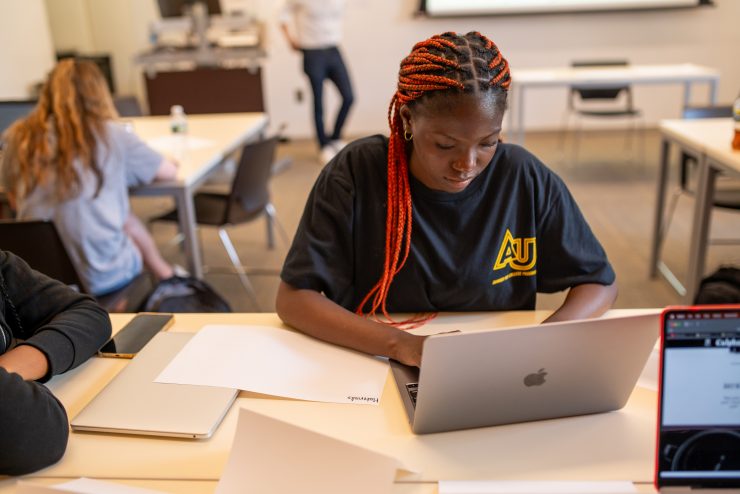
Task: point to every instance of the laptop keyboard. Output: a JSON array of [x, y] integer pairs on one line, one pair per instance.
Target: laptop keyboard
[[413, 389]]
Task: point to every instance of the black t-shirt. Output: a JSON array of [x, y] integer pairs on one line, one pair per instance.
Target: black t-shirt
[[513, 232]]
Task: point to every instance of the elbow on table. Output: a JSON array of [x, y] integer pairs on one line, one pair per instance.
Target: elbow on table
[[285, 303], [33, 439]]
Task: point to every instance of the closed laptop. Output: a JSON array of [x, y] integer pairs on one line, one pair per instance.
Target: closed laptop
[[132, 403]]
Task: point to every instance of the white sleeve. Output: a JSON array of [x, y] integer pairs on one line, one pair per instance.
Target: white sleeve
[[286, 12]]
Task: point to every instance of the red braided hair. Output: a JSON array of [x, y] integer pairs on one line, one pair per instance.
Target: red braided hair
[[469, 63]]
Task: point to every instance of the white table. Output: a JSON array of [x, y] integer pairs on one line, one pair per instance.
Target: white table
[[615, 445], [710, 140], [595, 77], [210, 139]]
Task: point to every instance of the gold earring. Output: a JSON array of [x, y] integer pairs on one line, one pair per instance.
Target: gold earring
[[407, 135]]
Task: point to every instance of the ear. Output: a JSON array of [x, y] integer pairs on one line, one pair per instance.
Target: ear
[[405, 113]]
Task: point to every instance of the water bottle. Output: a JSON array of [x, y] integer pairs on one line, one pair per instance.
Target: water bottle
[[179, 130], [736, 116], [178, 120]]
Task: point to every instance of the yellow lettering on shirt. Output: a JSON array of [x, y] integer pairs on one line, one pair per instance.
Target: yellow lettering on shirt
[[517, 254]]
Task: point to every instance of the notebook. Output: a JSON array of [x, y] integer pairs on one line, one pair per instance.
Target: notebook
[[699, 386], [132, 403], [503, 376]]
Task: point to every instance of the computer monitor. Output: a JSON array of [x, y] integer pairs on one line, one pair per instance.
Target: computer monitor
[[10, 111], [176, 8]]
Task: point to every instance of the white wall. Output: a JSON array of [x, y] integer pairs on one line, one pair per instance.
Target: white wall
[[378, 34], [70, 25], [26, 52]]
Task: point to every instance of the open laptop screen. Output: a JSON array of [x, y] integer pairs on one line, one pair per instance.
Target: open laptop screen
[[699, 416]]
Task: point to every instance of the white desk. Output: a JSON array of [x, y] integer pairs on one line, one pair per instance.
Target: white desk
[[710, 140], [595, 77], [213, 138], [616, 445]]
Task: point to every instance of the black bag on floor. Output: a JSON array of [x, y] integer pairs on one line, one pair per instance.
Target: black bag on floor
[[721, 287], [185, 294]]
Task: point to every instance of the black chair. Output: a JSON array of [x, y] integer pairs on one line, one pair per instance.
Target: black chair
[[12, 110], [38, 243], [727, 190], [127, 106], [247, 199], [610, 102]]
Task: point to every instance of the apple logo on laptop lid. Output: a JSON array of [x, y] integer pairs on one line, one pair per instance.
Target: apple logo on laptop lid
[[536, 378]]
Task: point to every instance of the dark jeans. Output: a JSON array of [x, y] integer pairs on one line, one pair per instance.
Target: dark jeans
[[319, 65]]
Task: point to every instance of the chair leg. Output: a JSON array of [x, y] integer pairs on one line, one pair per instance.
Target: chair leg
[[273, 222], [270, 223], [236, 262], [670, 210]]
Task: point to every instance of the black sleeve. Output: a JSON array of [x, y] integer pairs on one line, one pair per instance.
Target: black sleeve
[[569, 253], [33, 424], [66, 326], [321, 257]]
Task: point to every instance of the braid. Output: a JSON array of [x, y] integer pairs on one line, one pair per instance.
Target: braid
[[446, 62]]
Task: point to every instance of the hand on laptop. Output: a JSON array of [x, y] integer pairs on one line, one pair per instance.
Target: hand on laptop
[[409, 349], [411, 346]]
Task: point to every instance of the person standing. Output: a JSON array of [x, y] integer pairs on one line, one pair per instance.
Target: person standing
[[317, 32]]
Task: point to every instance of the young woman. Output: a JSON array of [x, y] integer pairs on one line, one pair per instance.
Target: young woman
[[440, 217], [46, 328], [70, 162]]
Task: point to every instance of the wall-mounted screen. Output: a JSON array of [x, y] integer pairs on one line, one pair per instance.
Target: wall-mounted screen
[[177, 8], [504, 7]]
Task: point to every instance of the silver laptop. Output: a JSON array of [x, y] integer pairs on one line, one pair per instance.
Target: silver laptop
[[503, 376], [132, 403]]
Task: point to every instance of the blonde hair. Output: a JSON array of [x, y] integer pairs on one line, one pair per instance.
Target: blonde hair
[[67, 124]]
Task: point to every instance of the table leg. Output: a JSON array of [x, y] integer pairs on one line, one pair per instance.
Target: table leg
[[686, 94], [713, 92], [188, 227], [700, 227], [658, 226]]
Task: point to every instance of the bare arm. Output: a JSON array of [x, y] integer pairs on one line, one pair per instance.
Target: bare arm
[[584, 301], [315, 315], [167, 171], [289, 37]]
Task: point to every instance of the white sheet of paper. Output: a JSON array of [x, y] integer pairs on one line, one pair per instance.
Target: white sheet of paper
[[171, 143], [269, 455], [81, 486], [533, 487], [277, 362]]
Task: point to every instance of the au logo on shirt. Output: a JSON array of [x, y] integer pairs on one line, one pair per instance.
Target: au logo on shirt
[[517, 254]]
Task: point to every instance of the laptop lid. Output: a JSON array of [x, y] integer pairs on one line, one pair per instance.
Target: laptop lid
[[132, 403], [520, 374], [698, 441]]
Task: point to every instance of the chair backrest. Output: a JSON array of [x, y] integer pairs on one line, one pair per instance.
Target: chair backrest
[[38, 243], [127, 106], [601, 93], [249, 191], [707, 111], [10, 111]]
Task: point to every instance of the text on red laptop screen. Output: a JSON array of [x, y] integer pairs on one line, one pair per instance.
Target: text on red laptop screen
[[700, 398]]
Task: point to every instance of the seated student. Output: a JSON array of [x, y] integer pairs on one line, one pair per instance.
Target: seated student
[[69, 161], [46, 328], [440, 217]]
